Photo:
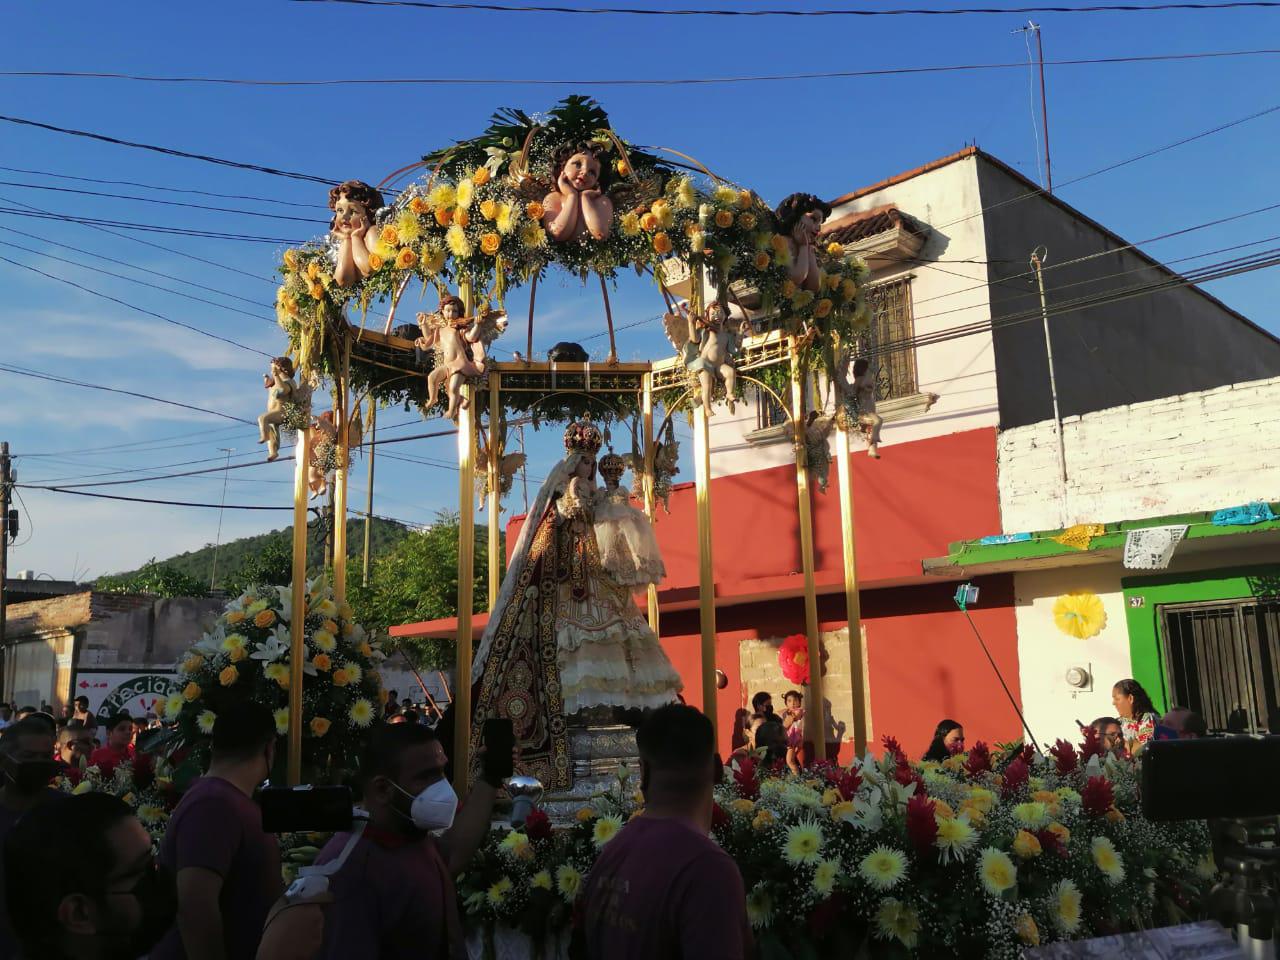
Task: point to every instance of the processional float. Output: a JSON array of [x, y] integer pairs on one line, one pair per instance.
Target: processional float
[[750, 295]]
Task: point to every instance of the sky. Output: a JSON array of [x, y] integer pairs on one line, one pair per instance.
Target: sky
[[822, 136]]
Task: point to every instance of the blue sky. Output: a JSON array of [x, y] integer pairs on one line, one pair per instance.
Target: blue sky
[[825, 137]]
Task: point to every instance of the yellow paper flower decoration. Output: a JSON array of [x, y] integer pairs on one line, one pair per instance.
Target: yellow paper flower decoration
[[1079, 614]]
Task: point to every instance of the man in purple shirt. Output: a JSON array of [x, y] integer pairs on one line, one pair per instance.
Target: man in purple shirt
[[228, 870], [662, 887]]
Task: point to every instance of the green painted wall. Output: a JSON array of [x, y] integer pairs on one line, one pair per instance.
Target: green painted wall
[[1197, 586]]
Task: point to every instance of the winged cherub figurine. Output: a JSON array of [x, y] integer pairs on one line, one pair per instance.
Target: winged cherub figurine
[[579, 204], [707, 345], [352, 232], [800, 217], [459, 343], [321, 442], [508, 464], [282, 390]]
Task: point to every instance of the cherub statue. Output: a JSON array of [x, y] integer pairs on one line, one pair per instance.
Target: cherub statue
[[579, 204], [459, 343], [508, 465], [628, 548], [707, 345], [321, 444], [800, 217], [817, 427], [864, 382], [666, 463], [281, 391], [352, 230]]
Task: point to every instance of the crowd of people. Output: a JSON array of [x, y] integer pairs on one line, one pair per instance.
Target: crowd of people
[[80, 878]]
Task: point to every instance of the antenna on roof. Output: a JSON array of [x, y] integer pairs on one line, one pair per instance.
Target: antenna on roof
[[1033, 27]]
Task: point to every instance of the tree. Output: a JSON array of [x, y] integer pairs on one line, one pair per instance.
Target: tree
[[272, 564], [157, 579], [417, 580]]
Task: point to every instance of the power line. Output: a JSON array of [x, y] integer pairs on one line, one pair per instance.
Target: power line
[[191, 190], [614, 82], [150, 227], [144, 283], [39, 375], [167, 203], [131, 306], [133, 446], [170, 151], [711, 12]]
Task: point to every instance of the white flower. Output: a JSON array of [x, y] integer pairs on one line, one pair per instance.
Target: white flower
[[273, 648]]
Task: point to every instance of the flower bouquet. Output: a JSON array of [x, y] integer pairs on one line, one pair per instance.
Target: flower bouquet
[[151, 804]]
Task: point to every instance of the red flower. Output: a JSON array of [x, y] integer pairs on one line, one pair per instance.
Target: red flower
[[1028, 753], [979, 759], [922, 828], [1064, 757], [1015, 778], [793, 658], [744, 775], [537, 825], [1097, 797], [718, 817], [1051, 842], [904, 775], [1091, 746], [892, 747], [847, 783]]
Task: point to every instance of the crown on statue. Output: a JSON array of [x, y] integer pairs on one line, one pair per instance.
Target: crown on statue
[[612, 465], [582, 436]]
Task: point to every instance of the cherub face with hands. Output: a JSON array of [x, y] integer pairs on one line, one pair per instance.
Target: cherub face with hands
[[349, 216], [581, 171], [807, 227]]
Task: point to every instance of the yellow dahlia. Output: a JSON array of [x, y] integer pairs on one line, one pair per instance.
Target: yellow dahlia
[[173, 706], [759, 907], [279, 673], [541, 880], [1033, 814], [568, 882], [465, 193], [605, 829], [897, 921], [824, 876], [1107, 859], [282, 721], [506, 219], [955, 837], [803, 843], [883, 867], [1065, 903], [996, 871], [498, 891], [361, 713], [206, 721]]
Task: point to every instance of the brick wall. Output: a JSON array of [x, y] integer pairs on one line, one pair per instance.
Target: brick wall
[[758, 660], [1193, 452]]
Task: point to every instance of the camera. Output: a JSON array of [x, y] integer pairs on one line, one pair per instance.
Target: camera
[[306, 808]]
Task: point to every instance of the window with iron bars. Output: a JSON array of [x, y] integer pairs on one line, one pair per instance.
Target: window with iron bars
[[892, 322]]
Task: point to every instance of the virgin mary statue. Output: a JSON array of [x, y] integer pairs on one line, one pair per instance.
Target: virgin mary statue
[[565, 635]]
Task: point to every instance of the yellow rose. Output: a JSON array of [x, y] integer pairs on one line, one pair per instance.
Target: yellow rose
[[313, 270], [649, 222], [1027, 931], [419, 205], [238, 654], [291, 259], [489, 243], [375, 261], [534, 210], [662, 212], [365, 649], [228, 676], [623, 168], [763, 819], [742, 805], [585, 815], [340, 678], [747, 221], [942, 809], [489, 208], [745, 200], [1026, 845], [316, 291], [319, 726], [724, 218], [462, 218], [405, 259], [761, 261], [192, 663], [444, 217], [264, 619], [1114, 816], [835, 249], [389, 236], [235, 617], [322, 662], [1061, 832], [661, 243], [481, 176], [822, 308], [191, 692]]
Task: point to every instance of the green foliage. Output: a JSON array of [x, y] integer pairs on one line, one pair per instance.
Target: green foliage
[[272, 565], [158, 579], [418, 580]]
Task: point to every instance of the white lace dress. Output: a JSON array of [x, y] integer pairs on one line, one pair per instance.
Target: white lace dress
[[628, 547]]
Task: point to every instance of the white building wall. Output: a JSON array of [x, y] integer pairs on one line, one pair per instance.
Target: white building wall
[[1194, 452], [945, 294]]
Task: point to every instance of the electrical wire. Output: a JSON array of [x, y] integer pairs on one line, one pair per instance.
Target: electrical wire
[[613, 82], [144, 283], [131, 306], [167, 203], [454, 5], [169, 151], [151, 227], [192, 190], [40, 375]]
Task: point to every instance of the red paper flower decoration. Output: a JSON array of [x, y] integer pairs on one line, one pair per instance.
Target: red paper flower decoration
[[793, 658]]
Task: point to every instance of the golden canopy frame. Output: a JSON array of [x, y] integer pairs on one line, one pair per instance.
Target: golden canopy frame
[[637, 379]]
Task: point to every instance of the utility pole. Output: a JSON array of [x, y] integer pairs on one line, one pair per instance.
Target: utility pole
[[368, 494], [1038, 256], [1033, 27], [6, 527], [213, 576]]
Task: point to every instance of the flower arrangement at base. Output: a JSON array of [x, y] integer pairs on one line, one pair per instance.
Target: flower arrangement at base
[[151, 798], [247, 656]]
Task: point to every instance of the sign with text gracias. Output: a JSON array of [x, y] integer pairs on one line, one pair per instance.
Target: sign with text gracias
[[133, 693]]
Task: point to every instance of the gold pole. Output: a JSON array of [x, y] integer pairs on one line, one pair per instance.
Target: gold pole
[[340, 479], [649, 498], [466, 574], [371, 452], [815, 711], [495, 499], [852, 604], [297, 643], [706, 571]]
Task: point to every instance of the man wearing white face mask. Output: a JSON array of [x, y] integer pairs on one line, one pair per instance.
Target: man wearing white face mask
[[394, 896]]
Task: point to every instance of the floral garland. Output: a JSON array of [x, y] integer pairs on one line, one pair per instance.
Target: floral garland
[[247, 656], [478, 218], [906, 858]]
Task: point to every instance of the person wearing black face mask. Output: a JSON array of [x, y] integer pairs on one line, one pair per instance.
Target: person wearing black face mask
[[227, 868], [26, 767], [90, 888]]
